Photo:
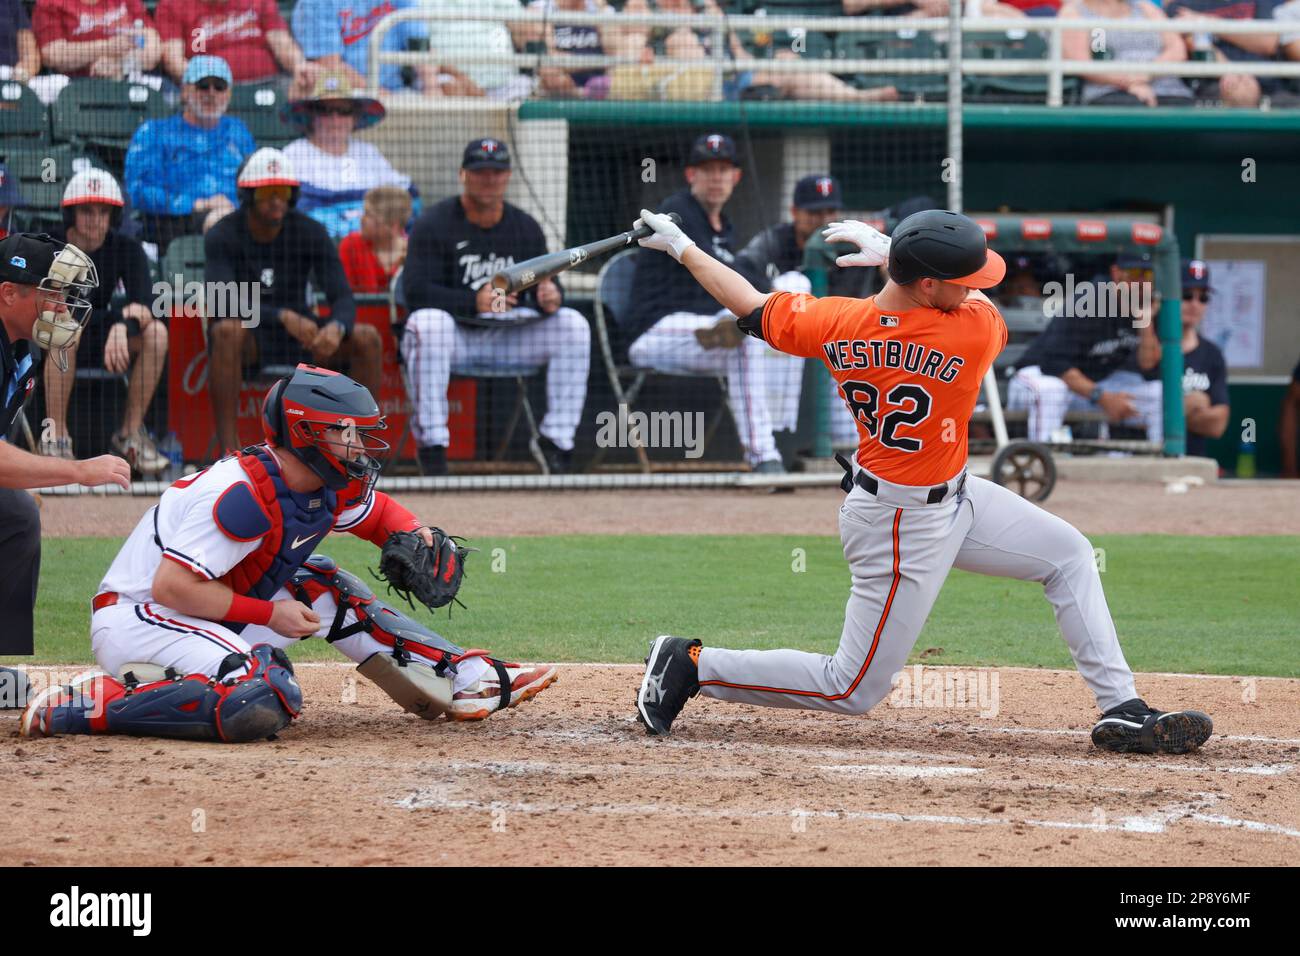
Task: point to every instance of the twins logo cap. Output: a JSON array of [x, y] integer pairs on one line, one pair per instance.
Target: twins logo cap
[[818, 191], [713, 146], [486, 153], [938, 244]]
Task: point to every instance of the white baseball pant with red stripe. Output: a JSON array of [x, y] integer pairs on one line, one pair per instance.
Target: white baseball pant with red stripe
[[899, 550], [126, 633], [670, 346], [1049, 400]]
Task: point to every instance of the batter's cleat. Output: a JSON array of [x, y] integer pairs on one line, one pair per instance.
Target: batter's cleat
[[552, 459], [671, 678], [1133, 727], [14, 689], [62, 708], [502, 686]]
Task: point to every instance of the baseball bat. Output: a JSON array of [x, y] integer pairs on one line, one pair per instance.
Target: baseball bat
[[523, 275]]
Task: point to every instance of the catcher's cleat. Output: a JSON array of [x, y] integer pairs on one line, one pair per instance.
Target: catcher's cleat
[[61, 708], [671, 678], [1133, 727], [502, 686]]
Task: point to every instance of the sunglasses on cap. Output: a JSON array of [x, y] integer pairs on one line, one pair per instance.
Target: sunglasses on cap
[[1200, 295], [324, 109], [273, 192], [212, 83]]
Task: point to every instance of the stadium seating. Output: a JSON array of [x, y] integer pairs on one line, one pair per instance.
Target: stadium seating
[[261, 107], [103, 115], [42, 193], [904, 45], [22, 115]]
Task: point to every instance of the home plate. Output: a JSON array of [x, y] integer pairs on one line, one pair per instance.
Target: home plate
[[899, 770]]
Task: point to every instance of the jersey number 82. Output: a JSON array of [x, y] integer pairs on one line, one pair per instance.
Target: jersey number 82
[[913, 407]]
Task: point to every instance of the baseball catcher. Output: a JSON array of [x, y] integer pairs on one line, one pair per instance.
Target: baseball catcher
[[191, 621]]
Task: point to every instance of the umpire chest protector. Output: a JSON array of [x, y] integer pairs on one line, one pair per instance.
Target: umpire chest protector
[[290, 523]]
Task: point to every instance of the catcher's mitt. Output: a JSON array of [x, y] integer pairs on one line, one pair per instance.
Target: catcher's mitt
[[432, 575]]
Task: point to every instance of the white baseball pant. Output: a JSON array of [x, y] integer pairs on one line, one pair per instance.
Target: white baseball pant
[[899, 550], [1048, 399], [435, 345]]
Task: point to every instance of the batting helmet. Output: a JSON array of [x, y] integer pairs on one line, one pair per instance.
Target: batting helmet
[[938, 244], [92, 186], [325, 420], [266, 167]]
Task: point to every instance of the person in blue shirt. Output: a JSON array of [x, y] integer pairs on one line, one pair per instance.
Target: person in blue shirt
[[336, 34], [180, 171]]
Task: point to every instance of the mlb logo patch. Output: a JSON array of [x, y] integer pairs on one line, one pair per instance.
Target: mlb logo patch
[[18, 261], [889, 321]]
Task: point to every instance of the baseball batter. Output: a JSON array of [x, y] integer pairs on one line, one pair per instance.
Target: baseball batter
[[909, 362], [192, 618]]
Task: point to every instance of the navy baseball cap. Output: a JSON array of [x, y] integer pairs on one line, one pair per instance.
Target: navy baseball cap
[[486, 153], [9, 195], [1196, 274], [713, 146], [26, 257], [818, 191]]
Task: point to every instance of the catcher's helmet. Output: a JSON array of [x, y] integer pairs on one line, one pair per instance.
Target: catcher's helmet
[[938, 244], [325, 420], [266, 167], [92, 186]]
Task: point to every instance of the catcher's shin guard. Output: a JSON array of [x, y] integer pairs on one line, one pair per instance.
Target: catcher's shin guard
[[255, 705]]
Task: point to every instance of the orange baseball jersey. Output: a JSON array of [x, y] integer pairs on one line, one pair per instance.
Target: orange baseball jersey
[[910, 378]]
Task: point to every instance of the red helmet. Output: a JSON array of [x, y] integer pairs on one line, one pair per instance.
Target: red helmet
[[325, 420]]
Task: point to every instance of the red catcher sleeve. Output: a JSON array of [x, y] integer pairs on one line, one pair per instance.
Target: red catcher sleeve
[[385, 517]]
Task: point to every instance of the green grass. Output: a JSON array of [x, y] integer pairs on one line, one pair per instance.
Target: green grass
[[1202, 605]]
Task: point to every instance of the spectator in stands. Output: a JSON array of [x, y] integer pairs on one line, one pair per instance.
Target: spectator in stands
[[692, 43], [10, 199], [772, 262], [458, 323], [1205, 372], [335, 34], [580, 39], [106, 38], [123, 337], [250, 35], [669, 313], [939, 8], [20, 56], [1288, 49], [1124, 46], [267, 243], [1234, 89], [1086, 360], [450, 38], [180, 171], [1289, 426], [372, 256], [335, 168]]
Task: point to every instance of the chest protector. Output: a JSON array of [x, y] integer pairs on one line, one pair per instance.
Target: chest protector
[[298, 520]]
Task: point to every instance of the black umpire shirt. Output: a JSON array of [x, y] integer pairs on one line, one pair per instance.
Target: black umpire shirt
[[301, 251], [661, 285], [774, 252], [18, 367], [449, 258]]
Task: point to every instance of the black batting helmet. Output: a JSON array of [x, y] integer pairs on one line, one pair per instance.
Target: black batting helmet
[[938, 244]]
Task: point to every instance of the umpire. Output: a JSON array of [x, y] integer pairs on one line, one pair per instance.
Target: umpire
[[43, 284]]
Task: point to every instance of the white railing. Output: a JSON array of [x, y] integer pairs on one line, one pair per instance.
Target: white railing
[[1054, 65]]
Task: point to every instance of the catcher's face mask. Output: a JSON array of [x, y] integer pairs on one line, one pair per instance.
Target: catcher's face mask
[[350, 449], [62, 309]]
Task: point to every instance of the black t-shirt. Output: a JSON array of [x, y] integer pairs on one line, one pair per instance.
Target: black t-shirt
[[121, 263], [662, 285], [302, 251], [1204, 370], [18, 365], [449, 258]]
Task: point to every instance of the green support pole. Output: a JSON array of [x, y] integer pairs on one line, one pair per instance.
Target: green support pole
[[1169, 327], [816, 258]]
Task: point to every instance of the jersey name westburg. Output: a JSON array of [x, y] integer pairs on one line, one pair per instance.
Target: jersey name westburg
[[892, 353]]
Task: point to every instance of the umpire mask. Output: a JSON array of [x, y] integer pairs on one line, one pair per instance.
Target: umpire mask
[[63, 308]]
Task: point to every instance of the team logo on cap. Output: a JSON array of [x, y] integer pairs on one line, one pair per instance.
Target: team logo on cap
[[715, 143], [1196, 269], [825, 186], [272, 165], [18, 261], [488, 146]]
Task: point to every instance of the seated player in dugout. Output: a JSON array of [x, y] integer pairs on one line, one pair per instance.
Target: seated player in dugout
[[266, 246], [191, 622], [458, 323], [1205, 371], [1086, 359], [909, 361], [675, 325], [123, 339]]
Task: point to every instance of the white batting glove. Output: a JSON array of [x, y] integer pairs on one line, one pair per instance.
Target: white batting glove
[[668, 236], [874, 245]]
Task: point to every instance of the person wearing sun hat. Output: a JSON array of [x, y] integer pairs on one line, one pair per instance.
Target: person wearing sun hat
[[336, 168]]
